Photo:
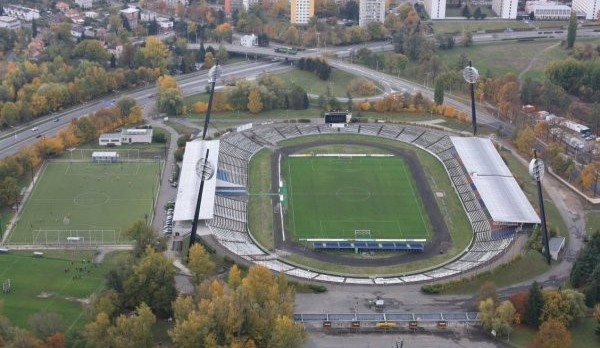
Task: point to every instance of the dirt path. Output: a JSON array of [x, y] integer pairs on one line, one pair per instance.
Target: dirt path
[[534, 60]]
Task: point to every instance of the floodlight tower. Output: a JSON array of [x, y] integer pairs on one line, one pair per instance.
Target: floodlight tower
[[470, 74], [204, 169], [536, 171]]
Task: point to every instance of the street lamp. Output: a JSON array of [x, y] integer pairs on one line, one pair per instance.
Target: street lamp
[[470, 74], [536, 171], [213, 75]]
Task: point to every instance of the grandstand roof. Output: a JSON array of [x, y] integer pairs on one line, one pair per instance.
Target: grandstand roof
[[189, 181], [500, 192]]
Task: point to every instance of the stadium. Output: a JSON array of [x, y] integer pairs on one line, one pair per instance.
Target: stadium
[[336, 193]]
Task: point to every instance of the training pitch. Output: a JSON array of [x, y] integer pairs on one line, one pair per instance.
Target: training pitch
[[93, 201], [332, 197]]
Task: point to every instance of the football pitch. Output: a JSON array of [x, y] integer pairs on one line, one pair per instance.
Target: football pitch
[[332, 197], [93, 201]]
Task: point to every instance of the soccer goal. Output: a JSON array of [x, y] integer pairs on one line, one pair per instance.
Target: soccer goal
[[6, 286], [362, 235], [87, 155]]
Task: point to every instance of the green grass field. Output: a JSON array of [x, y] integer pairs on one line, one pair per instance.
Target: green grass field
[[331, 197], [74, 199], [52, 283]]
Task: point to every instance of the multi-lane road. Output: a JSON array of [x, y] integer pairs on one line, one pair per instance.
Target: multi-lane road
[[13, 139]]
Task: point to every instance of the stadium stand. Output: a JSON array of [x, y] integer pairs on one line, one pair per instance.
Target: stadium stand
[[229, 225]]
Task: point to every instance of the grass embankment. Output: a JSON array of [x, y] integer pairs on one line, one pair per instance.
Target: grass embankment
[[338, 82], [260, 208], [449, 205], [60, 282]]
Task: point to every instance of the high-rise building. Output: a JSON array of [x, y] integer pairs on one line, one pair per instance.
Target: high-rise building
[[371, 11], [505, 8], [301, 11], [435, 8], [589, 7]]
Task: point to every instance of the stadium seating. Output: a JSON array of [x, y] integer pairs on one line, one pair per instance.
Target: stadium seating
[[229, 225]]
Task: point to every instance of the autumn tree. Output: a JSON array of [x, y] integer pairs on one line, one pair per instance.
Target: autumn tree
[[143, 235], [154, 54], [589, 175], [255, 104], [488, 290], [565, 306], [152, 282], [552, 334], [44, 324], [209, 60], [200, 264], [525, 140]]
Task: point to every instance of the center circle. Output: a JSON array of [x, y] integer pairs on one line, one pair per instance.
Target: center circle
[[353, 194], [91, 199]]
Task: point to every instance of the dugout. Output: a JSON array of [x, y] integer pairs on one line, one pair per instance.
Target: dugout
[[105, 156]]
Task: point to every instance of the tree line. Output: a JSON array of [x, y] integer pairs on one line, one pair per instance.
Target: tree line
[[317, 66]]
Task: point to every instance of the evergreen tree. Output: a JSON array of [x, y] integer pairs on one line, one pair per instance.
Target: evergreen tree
[[201, 53], [477, 13], [113, 61], [534, 305], [438, 96], [572, 31], [153, 27], [34, 30], [466, 12]]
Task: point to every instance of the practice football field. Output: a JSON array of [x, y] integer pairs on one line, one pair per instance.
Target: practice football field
[[93, 201], [332, 197]]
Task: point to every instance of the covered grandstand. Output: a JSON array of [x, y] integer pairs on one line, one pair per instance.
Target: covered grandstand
[[475, 168]]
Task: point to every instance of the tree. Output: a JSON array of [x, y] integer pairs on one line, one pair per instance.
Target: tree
[[477, 13], [96, 332], [133, 331], [466, 12], [44, 324], [552, 334], [350, 10], [152, 282], [589, 174], [92, 50], [34, 30], [208, 60], [287, 334], [487, 311], [467, 38], [200, 263], [254, 102], [222, 55], [143, 235], [234, 279], [125, 104], [505, 317], [597, 316], [563, 306], [154, 54], [525, 140], [534, 305], [572, 30], [438, 96]]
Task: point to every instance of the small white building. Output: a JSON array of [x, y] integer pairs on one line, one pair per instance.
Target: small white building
[[10, 23], [91, 14], [77, 31], [21, 12], [556, 244], [164, 23], [136, 135], [84, 4], [548, 10], [110, 139], [249, 40], [101, 156]]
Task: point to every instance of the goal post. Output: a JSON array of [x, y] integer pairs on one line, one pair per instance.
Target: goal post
[[362, 235]]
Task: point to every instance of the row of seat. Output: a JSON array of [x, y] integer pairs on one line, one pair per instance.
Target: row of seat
[[369, 246]]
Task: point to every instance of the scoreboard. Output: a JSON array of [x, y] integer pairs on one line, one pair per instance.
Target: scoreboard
[[338, 117]]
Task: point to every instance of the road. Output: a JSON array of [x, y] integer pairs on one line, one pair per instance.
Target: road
[[15, 138]]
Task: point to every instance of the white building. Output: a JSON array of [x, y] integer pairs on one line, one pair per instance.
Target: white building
[[506, 9], [84, 4], [164, 23], [435, 8], [147, 16], [136, 135], [10, 23], [371, 11], [90, 14], [548, 10], [589, 7], [249, 40], [301, 11], [21, 12], [110, 139]]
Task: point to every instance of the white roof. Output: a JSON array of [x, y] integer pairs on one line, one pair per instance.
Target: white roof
[[104, 154], [496, 185], [189, 181]]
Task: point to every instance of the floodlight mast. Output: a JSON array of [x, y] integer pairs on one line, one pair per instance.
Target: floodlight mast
[[536, 171], [470, 74], [213, 75]]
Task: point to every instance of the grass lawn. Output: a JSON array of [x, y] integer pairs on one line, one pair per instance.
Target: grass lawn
[[180, 128], [530, 264], [450, 206], [453, 11], [52, 283], [456, 26], [582, 335], [338, 82], [592, 222], [311, 112], [260, 211], [81, 198], [331, 197]]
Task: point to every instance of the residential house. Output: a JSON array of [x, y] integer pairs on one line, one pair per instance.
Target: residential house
[[131, 13], [84, 4], [10, 23], [21, 12], [62, 6]]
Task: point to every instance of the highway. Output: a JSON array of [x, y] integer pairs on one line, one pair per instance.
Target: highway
[[23, 135]]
